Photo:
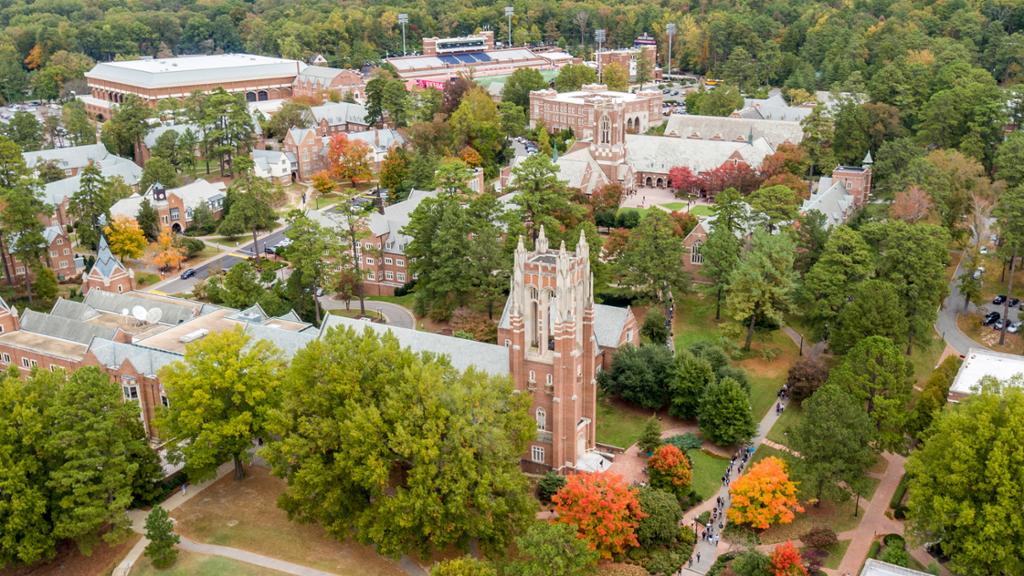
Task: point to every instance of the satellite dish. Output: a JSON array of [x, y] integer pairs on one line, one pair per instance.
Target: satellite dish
[[124, 311], [154, 315], [139, 313]]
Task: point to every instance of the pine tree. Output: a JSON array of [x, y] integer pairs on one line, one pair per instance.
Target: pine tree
[[650, 438], [161, 549]]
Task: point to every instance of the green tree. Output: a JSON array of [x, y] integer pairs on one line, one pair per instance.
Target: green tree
[[227, 128], [811, 236], [827, 287], [249, 208], [819, 136], [549, 485], [963, 480], [519, 85], [91, 437], [25, 130], [463, 566], [573, 76], [877, 375], [761, 286], [932, 399], [241, 287], [76, 121], [90, 205], [1009, 162], [693, 375], [721, 250], [166, 147], [456, 437], [724, 415], [161, 549], [639, 375], [476, 123], [513, 119], [616, 77], [123, 133], [654, 329], [386, 100], [22, 229], [291, 115], [203, 220], [148, 219], [547, 549], [158, 170], [314, 256], [644, 71], [968, 116], [220, 396], [1009, 211], [650, 262], [835, 442], [650, 437], [721, 101], [662, 515], [873, 308], [542, 199], [774, 205], [45, 286]]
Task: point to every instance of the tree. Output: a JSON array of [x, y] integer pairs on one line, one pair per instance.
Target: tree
[[158, 170], [873, 308], [314, 254], [835, 441], [774, 205], [394, 174], [616, 77], [605, 511], [463, 566], [240, 287], [721, 250], [669, 469], [513, 118], [161, 549], [786, 560], [203, 220], [693, 375], [724, 414], [805, 377], [169, 254], [348, 159], [227, 128], [911, 205], [1009, 160], [23, 232], [819, 136], [644, 71], [24, 130], [877, 375], [386, 100], [249, 208], [549, 485], [845, 261], [721, 101], [476, 123], [148, 219], [457, 438], [962, 481], [740, 70], [952, 180], [764, 496], [650, 263], [519, 85], [123, 133], [76, 121], [1010, 211], [90, 205], [542, 199], [662, 514], [639, 375], [291, 115], [220, 396], [91, 437], [45, 286], [572, 77], [932, 399], [547, 549], [650, 437], [684, 181], [761, 285], [654, 329]]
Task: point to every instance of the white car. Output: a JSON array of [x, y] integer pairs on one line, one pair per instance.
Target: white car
[[984, 250]]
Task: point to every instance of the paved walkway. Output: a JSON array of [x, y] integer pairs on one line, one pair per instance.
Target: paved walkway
[[250, 558], [874, 523], [394, 314]]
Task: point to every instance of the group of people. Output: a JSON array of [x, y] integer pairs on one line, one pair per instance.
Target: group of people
[[782, 396]]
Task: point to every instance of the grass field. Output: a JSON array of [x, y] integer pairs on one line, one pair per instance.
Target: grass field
[[619, 424], [245, 515], [641, 211], [190, 564], [353, 313], [838, 517], [674, 206], [835, 554], [707, 472], [702, 210], [407, 300], [69, 561], [786, 422]]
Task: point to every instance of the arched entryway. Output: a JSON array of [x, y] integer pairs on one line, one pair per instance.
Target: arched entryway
[[661, 183], [176, 228], [262, 95], [250, 96], [647, 182]]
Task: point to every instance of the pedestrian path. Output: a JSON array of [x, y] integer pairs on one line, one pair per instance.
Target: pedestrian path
[[251, 558]]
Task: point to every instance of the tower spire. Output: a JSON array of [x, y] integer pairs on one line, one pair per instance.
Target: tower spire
[[542, 241]]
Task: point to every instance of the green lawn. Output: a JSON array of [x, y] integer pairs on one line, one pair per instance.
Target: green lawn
[[641, 211], [835, 554], [925, 355], [707, 472], [838, 517], [353, 313], [702, 210], [407, 300], [190, 564], [786, 422], [674, 206], [617, 424]]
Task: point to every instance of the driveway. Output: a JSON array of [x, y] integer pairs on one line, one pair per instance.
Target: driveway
[[394, 314]]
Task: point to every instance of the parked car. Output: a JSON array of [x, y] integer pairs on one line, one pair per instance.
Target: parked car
[[1014, 302], [999, 299], [188, 273], [990, 318], [977, 273], [268, 249], [998, 325], [1014, 327], [984, 250]]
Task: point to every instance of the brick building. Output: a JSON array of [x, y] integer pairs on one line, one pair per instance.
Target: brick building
[[175, 206], [628, 59], [321, 82], [154, 79], [310, 148], [843, 193], [59, 257], [335, 117], [108, 273]]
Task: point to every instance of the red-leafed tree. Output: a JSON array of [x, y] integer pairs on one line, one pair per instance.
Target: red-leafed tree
[[730, 174], [470, 156], [786, 560], [764, 496], [605, 511], [911, 205], [683, 223], [348, 159], [684, 181], [669, 469], [607, 197], [615, 243], [787, 158], [791, 181]]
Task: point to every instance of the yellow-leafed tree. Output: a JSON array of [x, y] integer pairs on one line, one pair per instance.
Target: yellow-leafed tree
[[125, 237], [764, 496], [169, 255]]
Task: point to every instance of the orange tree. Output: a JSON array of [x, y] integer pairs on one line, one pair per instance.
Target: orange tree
[[764, 496], [669, 469], [348, 159], [604, 509], [168, 254], [786, 560]]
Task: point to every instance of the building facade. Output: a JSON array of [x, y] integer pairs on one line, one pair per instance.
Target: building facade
[[595, 111], [629, 59], [174, 206], [475, 55], [59, 257], [321, 83], [108, 273]]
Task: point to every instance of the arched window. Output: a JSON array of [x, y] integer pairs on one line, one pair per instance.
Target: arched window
[[695, 255], [542, 419], [606, 130]]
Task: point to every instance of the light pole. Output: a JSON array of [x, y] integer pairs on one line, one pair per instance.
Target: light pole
[[599, 37], [509, 11], [671, 29], [403, 19]]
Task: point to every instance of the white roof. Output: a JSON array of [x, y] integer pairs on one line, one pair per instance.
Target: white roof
[[191, 195], [378, 139], [580, 170], [659, 154], [71, 157], [774, 107], [831, 199], [188, 70], [340, 113], [110, 167], [409, 63], [734, 129], [322, 75], [597, 92], [874, 567], [980, 363]]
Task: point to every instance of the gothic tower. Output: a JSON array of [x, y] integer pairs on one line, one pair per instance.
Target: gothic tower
[[552, 349]]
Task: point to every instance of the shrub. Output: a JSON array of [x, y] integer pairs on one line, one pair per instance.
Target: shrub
[[162, 539], [628, 219], [650, 438], [895, 555], [669, 469], [819, 537], [654, 329], [873, 549], [659, 561], [805, 377], [661, 525], [684, 442], [406, 288], [192, 246], [549, 485], [894, 540], [752, 563], [901, 491]]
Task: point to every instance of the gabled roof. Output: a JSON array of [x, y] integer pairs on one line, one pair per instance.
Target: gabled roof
[[73, 310], [659, 154], [580, 170], [173, 310], [322, 75], [299, 134], [831, 199], [64, 328], [106, 264], [732, 129], [379, 139], [147, 361], [50, 233], [336, 113], [72, 157], [110, 167]]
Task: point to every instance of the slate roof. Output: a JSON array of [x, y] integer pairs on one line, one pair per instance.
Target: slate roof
[[189, 70], [266, 159], [106, 264], [379, 139], [340, 113], [831, 199], [64, 328], [733, 129], [659, 154], [110, 167], [580, 170], [71, 157], [50, 233], [874, 567], [287, 341], [774, 107], [146, 361], [73, 310], [173, 311], [462, 353], [191, 195]]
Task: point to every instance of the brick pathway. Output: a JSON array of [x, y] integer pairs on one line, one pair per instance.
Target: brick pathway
[[874, 523]]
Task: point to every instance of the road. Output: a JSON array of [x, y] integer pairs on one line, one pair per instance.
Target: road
[[954, 305], [394, 314], [176, 285]]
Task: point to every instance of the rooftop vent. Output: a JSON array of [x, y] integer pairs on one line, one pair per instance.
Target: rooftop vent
[[193, 336]]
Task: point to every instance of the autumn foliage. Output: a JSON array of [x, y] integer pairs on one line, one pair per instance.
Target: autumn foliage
[[764, 496], [669, 469], [604, 509], [348, 159], [168, 254], [125, 237], [786, 560], [911, 205]]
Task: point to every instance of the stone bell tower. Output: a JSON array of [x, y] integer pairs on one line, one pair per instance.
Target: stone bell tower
[[552, 349]]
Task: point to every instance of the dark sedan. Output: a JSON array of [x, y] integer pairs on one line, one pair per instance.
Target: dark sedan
[[991, 318], [188, 273], [999, 299]]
